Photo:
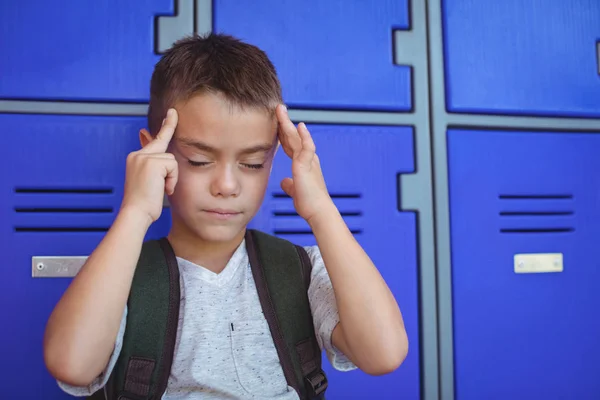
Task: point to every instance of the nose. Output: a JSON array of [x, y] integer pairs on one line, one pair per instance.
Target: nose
[[225, 182]]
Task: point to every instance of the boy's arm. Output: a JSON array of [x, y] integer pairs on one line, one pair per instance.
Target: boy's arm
[[371, 330], [81, 332]]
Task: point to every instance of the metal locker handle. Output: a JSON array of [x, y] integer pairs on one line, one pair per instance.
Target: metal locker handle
[[598, 55], [56, 267]]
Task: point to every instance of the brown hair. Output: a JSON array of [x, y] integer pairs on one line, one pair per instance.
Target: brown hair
[[215, 63]]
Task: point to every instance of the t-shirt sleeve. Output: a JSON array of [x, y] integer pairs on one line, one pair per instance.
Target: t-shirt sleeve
[[100, 381], [324, 310]]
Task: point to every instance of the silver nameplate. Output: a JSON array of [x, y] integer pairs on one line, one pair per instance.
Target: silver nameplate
[[56, 267]]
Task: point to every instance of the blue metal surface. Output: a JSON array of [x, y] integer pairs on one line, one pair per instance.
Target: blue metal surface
[[524, 336], [330, 54], [522, 57], [81, 160], [73, 153], [360, 165], [78, 50]]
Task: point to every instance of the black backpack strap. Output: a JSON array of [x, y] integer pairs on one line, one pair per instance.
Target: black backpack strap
[[281, 272], [144, 365]]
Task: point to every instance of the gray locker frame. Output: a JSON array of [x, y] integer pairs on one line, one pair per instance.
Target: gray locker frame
[[424, 192]]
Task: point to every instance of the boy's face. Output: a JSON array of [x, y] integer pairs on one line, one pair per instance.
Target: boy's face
[[225, 156]]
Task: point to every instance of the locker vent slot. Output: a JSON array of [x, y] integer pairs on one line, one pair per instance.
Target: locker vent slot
[[332, 195], [98, 210], [42, 190], [41, 193], [535, 196], [534, 213], [295, 214], [306, 232], [537, 209], [350, 209], [60, 229], [540, 230]]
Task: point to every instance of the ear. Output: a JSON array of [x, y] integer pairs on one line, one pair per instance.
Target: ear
[[145, 137]]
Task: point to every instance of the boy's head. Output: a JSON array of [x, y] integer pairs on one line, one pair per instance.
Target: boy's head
[[225, 93], [217, 64]]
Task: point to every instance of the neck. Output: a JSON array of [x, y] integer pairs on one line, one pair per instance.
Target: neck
[[212, 255]]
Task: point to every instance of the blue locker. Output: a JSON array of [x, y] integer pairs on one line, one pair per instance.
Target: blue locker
[[61, 190], [66, 187], [524, 336], [522, 58], [330, 54], [360, 165], [79, 50]]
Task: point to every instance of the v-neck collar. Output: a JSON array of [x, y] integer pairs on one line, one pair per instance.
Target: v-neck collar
[[239, 257]]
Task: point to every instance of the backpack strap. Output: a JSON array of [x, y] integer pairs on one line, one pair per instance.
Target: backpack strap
[[144, 365], [281, 272]]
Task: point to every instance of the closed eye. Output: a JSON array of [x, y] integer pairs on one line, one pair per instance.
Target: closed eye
[[253, 166], [198, 163], [205, 163]]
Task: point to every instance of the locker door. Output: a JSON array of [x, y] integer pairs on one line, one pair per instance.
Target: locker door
[[525, 335], [61, 189], [78, 50], [330, 54], [522, 57], [361, 165]]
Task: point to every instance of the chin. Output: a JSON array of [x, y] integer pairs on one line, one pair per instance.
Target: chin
[[219, 233]]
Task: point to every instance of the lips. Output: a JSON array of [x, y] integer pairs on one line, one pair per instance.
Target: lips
[[222, 214], [222, 211]]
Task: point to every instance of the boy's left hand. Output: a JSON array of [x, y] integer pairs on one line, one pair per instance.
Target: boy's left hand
[[307, 185]]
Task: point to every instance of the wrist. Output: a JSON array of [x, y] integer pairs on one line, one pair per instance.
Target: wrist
[[134, 217], [327, 213]]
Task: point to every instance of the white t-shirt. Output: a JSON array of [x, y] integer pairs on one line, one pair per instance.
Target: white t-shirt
[[224, 348]]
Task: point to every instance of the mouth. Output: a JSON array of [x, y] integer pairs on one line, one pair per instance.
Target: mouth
[[222, 213]]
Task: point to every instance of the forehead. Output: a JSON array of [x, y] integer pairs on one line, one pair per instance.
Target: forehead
[[212, 119]]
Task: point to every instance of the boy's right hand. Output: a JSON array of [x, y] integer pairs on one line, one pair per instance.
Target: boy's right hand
[[151, 172]]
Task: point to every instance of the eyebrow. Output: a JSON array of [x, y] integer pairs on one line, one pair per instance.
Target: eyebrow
[[260, 148]]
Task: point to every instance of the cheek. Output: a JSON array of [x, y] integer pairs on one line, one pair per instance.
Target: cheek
[[190, 185], [256, 187]]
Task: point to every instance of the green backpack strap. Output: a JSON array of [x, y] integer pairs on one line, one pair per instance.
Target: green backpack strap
[[281, 272], [144, 365]]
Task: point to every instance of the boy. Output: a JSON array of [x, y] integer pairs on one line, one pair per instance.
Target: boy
[[216, 119]]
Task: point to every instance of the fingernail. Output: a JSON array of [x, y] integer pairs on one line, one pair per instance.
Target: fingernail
[[164, 119], [284, 108]]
